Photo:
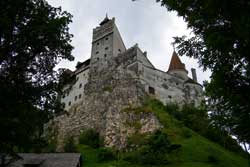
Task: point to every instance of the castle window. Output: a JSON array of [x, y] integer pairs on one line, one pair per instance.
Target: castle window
[[80, 85], [63, 96], [97, 58], [105, 55], [69, 103], [177, 83], [106, 48], [75, 98], [107, 38], [63, 105], [80, 96], [119, 50], [97, 43], [170, 97], [151, 90], [96, 52]]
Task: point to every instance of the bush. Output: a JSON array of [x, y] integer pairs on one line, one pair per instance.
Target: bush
[[212, 159], [186, 133], [154, 151], [91, 138], [70, 145], [105, 154]]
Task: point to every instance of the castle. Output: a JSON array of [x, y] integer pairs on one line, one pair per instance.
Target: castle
[[103, 91], [173, 86]]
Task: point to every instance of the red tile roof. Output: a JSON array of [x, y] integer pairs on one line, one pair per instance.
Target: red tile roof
[[175, 63]]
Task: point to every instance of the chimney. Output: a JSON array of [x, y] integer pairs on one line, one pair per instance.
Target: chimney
[[194, 74]]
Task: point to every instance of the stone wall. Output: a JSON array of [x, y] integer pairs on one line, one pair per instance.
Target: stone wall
[[107, 94]]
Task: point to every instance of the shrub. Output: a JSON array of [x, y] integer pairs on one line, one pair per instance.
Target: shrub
[[105, 154], [91, 138], [70, 145], [186, 133], [212, 159], [153, 151]]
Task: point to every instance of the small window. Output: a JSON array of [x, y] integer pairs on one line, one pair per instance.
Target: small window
[[119, 50], [80, 85], [96, 52], [105, 55], [177, 83], [97, 43], [170, 97], [106, 48], [151, 90], [77, 78], [69, 103], [63, 105], [75, 98], [63, 96], [106, 38], [80, 96], [97, 58]]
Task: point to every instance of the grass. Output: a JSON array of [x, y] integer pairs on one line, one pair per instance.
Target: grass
[[195, 150]]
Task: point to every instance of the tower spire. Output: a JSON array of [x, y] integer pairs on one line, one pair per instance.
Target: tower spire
[[175, 63]]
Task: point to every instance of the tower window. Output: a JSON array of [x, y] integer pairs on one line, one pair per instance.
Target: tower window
[[97, 43], [119, 50], [80, 85], [151, 90], [69, 103], [170, 97], [97, 58], [107, 38], [96, 52], [105, 55], [80, 96], [106, 48]]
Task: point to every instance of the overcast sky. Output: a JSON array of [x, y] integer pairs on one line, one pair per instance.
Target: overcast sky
[[144, 22]]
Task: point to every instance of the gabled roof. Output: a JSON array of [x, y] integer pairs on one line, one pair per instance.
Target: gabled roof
[[49, 160], [175, 63]]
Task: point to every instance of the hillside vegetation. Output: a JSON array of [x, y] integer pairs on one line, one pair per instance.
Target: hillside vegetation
[[176, 145]]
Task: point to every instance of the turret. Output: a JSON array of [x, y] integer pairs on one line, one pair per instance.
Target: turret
[[177, 68]]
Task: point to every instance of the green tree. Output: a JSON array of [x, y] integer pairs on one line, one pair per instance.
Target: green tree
[[221, 43], [34, 37]]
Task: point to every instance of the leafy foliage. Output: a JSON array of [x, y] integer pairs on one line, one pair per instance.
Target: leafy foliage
[[34, 37], [105, 154], [221, 43], [153, 150], [91, 138], [70, 146]]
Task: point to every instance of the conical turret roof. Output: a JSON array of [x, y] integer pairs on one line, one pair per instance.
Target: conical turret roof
[[176, 64]]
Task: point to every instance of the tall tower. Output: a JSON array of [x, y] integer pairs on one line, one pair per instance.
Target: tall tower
[[177, 68], [106, 43]]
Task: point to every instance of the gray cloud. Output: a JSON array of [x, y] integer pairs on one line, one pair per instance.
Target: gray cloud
[[144, 22]]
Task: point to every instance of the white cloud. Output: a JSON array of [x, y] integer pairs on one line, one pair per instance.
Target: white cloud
[[143, 22]]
